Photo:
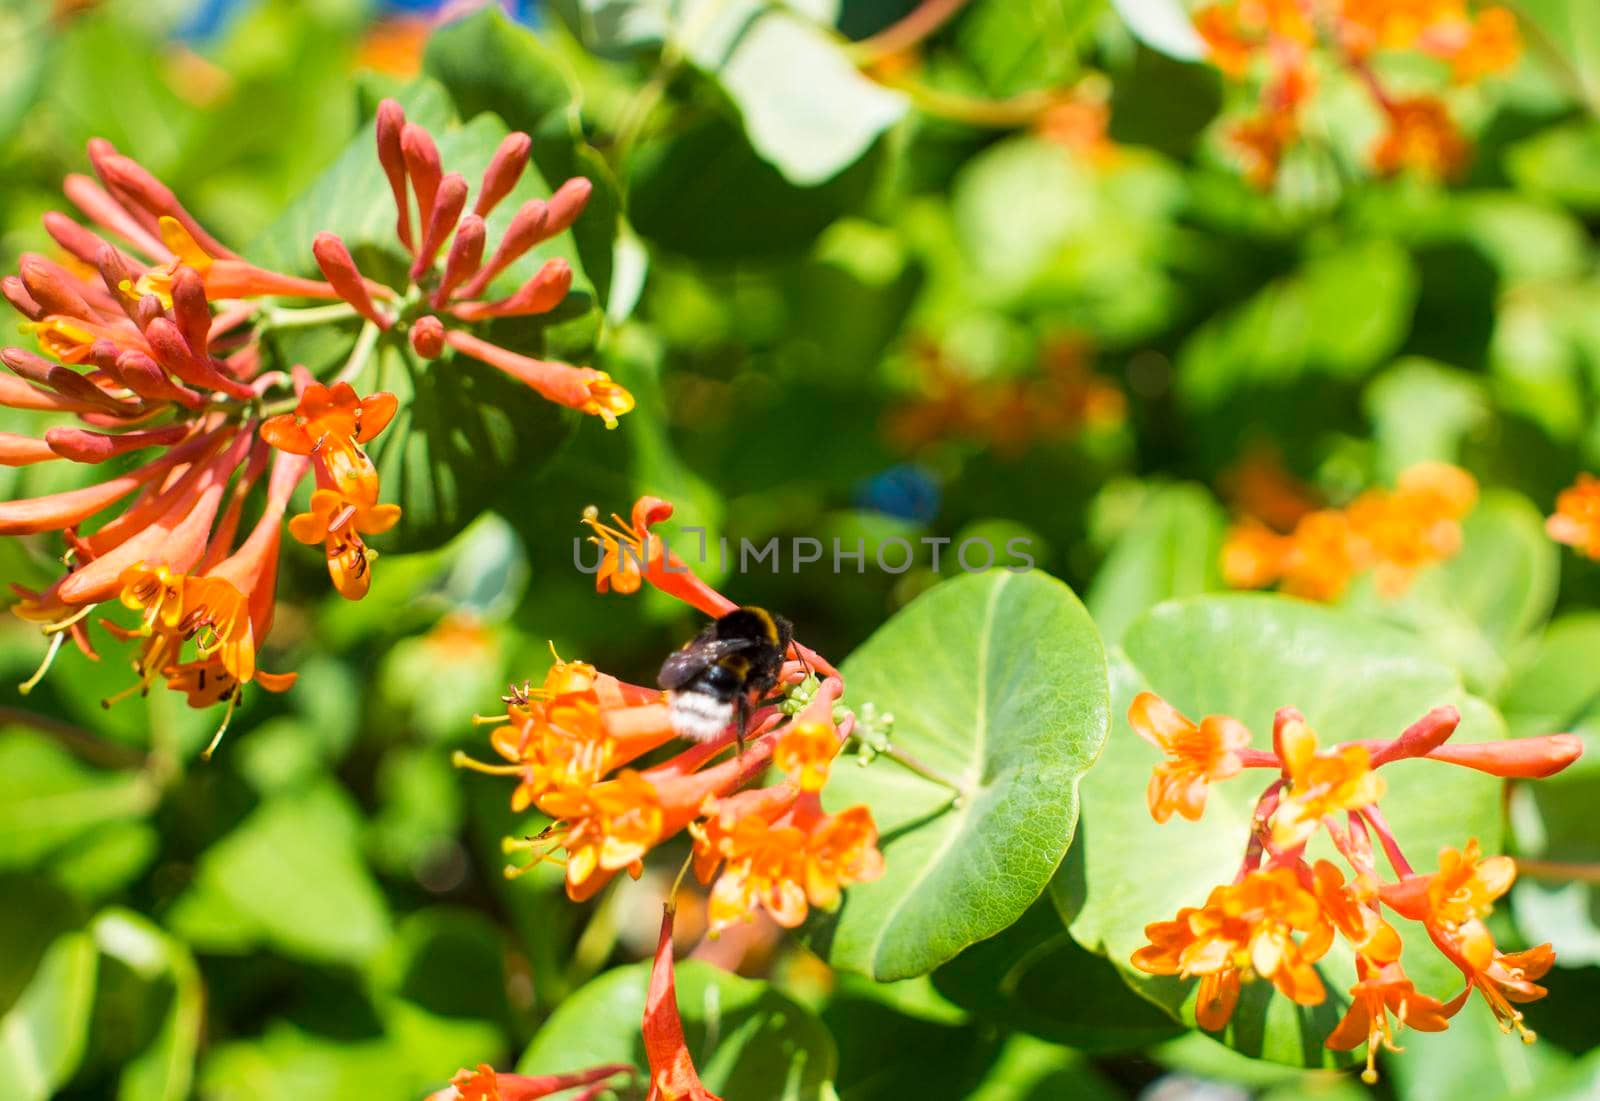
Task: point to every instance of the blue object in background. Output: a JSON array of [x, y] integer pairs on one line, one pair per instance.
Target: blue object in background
[[907, 491]]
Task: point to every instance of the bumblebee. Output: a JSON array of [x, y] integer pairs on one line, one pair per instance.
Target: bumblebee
[[723, 671]]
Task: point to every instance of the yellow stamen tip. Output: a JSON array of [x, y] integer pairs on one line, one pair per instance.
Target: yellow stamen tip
[[1370, 1076], [590, 514]]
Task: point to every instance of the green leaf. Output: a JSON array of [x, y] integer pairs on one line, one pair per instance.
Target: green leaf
[[1473, 1059], [467, 435], [291, 877], [1422, 411], [704, 192], [164, 1070], [1036, 978], [489, 63], [1557, 686], [1561, 164], [1247, 656], [1029, 174], [746, 1039], [998, 681], [1031, 1070], [42, 1035], [1171, 549], [1477, 609], [48, 799], [1163, 25], [1341, 315], [25, 56], [807, 109]]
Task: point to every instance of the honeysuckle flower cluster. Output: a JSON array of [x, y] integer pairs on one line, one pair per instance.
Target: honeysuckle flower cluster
[[672, 1072], [147, 328], [1284, 49], [148, 342], [1394, 533], [1063, 399], [571, 742], [441, 302], [1282, 912], [1576, 521]]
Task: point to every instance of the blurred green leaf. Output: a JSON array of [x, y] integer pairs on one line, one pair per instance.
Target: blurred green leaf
[[1172, 549], [1478, 609], [1421, 411], [1340, 315], [806, 108], [289, 877], [164, 1070], [1163, 25], [42, 1035], [1031, 1070], [998, 681], [1562, 163], [746, 1039], [704, 192], [1352, 679], [48, 798]]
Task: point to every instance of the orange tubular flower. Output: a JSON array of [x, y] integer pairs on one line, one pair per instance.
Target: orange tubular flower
[[1319, 784], [146, 343], [1393, 532], [1453, 903], [484, 1084], [454, 295], [1577, 517], [1271, 43], [632, 554], [1383, 990], [672, 1073], [1355, 915], [1421, 136], [1245, 930], [329, 424], [1197, 755]]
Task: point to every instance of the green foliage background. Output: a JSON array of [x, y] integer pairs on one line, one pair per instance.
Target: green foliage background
[[775, 244]]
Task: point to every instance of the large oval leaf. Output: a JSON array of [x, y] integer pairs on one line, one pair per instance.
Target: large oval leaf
[[747, 1039], [998, 681], [1246, 656]]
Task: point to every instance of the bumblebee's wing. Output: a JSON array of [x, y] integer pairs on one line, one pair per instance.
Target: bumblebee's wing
[[683, 665]]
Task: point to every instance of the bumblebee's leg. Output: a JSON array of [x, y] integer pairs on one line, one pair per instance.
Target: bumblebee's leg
[[744, 721]]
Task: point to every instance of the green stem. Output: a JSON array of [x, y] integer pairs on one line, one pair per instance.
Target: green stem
[[278, 317], [926, 771], [360, 354]]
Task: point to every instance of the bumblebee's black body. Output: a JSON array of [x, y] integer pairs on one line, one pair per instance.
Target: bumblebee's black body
[[719, 674]]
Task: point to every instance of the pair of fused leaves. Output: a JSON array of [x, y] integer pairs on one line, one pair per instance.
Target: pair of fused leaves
[[999, 682]]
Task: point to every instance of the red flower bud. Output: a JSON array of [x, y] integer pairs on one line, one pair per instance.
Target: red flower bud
[[505, 168], [449, 200], [526, 230], [422, 165], [340, 269], [191, 310], [95, 447], [427, 337], [1519, 758], [464, 258], [390, 122]]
